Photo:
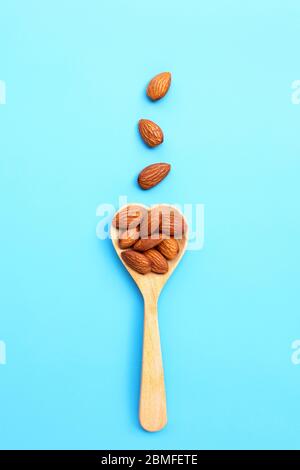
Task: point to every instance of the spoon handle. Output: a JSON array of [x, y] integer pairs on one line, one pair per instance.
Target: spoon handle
[[153, 407]]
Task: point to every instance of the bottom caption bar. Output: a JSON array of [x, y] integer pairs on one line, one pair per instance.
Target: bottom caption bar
[[133, 458], [127, 459]]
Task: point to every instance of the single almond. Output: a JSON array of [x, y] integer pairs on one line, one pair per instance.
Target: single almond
[[136, 261], [169, 248], [128, 238], [153, 174], [159, 86], [129, 217], [151, 222], [172, 223], [151, 133], [144, 244], [159, 264]]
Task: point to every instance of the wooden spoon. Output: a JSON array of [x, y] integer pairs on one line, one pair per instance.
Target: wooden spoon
[[153, 408]]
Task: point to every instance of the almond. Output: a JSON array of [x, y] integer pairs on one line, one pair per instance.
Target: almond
[[169, 248], [159, 86], [151, 133], [151, 222], [136, 261], [129, 217], [153, 174], [172, 223], [159, 264], [128, 238], [144, 244]]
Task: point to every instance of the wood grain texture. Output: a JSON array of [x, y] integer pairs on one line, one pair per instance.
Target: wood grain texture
[[153, 409], [153, 404]]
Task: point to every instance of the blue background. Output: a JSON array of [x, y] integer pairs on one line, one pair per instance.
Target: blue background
[[70, 315]]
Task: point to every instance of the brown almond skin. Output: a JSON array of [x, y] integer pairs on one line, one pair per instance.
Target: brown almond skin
[[159, 86], [144, 244], [153, 174], [128, 238], [159, 264], [129, 217], [136, 261], [169, 248], [151, 133], [151, 222], [172, 223]]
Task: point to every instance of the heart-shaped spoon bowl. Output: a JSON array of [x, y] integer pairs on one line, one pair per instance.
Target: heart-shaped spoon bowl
[[151, 281], [153, 410]]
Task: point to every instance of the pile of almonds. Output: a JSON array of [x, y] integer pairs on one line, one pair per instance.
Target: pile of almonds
[[149, 238], [152, 134]]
